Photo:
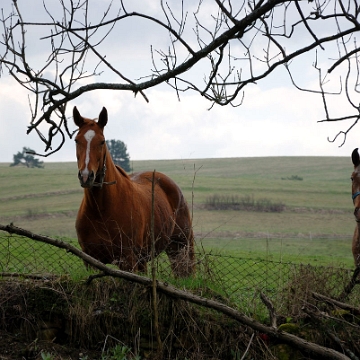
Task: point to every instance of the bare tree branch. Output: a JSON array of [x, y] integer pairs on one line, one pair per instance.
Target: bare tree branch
[[234, 46]]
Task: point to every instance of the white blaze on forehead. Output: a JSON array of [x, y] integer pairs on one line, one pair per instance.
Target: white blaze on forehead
[[89, 135]]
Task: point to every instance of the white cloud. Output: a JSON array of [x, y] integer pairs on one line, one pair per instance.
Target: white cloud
[[275, 119], [14, 119], [281, 121]]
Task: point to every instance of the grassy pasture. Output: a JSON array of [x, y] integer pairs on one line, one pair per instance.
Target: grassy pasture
[[326, 181], [316, 227]]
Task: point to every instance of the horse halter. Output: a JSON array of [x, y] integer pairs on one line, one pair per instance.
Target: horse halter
[[101, 176], [354, 196]]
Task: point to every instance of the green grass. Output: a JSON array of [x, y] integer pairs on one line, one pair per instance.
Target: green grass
[[318, 251], [316, 226], [21, 255]]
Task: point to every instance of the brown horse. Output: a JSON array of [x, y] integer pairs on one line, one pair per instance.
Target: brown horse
[[355, 178], [117, 214]]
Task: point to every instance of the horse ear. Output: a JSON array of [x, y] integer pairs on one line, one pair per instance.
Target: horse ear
[[78, 120], [355, 157], [103, 118]]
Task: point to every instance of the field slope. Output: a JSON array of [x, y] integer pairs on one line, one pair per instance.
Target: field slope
[[316, 225]]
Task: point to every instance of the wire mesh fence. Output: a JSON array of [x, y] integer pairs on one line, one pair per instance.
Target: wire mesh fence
[[22, 255], [235, 279]]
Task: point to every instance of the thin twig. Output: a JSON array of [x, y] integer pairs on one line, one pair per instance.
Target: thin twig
[[248, 346], [153, 268]]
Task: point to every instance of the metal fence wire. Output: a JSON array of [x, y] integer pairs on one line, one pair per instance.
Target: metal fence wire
[[22, 255], [232, 278]]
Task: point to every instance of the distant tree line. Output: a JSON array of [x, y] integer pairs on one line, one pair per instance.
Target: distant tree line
[[117, 149], [26, 158]]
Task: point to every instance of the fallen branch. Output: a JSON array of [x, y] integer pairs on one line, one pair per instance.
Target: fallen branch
[[340, 343], [316, 316], [353, 310], [165, 288], [271, 309]]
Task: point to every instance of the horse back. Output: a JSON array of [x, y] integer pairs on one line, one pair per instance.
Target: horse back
[[169, 187], [174, 196]]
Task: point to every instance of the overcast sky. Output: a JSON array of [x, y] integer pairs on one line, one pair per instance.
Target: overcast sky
[[275, 120]]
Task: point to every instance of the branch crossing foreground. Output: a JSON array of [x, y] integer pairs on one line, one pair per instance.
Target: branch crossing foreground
[[169, 290]]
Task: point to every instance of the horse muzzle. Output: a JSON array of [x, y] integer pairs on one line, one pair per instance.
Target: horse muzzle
[[86, 180]]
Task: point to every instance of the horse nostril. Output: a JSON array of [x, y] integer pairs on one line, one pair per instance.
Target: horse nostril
[[85, 177], [356, 211]]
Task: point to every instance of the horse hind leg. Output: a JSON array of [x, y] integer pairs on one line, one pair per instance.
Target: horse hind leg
[[181, 253], [142, 265]]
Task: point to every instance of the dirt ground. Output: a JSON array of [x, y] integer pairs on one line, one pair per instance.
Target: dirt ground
[[12, 347]]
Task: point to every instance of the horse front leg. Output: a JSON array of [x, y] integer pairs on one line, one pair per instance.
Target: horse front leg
[[133, 261], [356, 245], [142, 265]]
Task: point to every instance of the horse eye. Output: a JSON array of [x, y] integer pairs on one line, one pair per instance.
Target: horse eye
[[103, 142], [352, 179]]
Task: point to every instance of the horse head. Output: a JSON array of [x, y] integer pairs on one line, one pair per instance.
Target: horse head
[[90, 149], [355, 178]]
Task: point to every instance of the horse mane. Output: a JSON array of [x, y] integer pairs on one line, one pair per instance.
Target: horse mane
[[121, 171], [118, 168]]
